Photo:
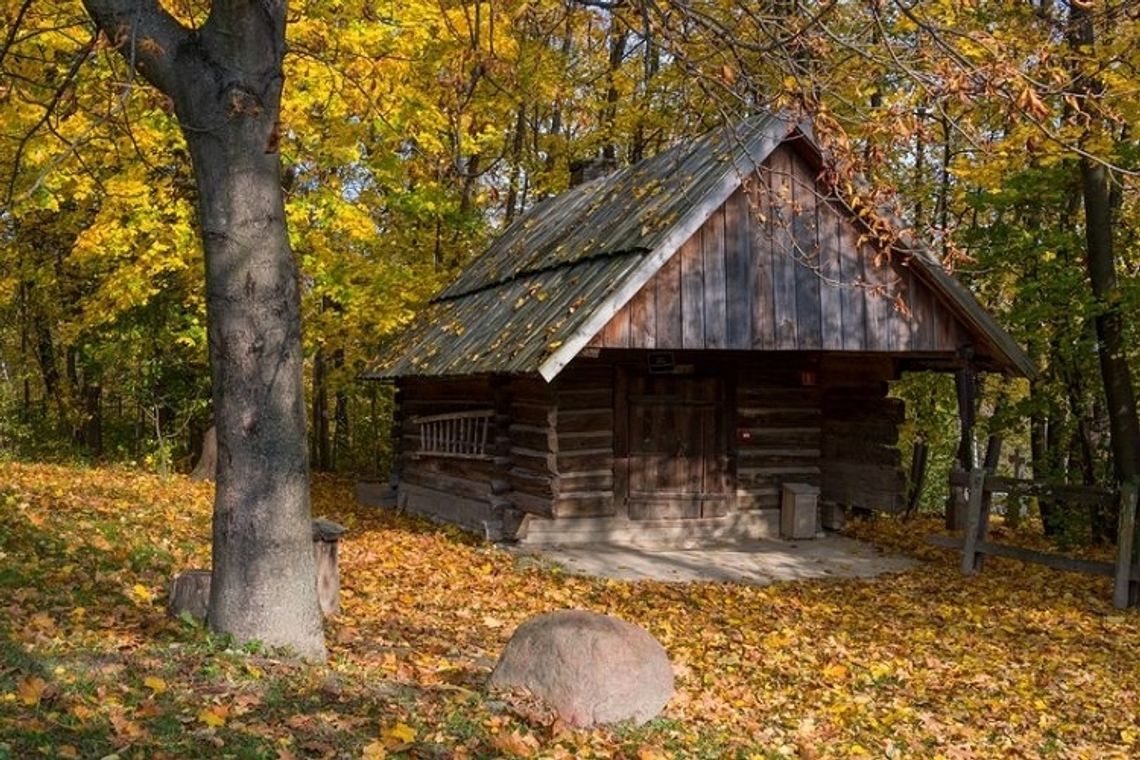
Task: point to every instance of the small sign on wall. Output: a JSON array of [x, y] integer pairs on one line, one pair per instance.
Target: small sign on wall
[[660, 362]]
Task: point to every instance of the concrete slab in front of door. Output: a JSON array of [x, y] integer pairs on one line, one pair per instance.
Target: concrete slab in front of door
[[757, 562]]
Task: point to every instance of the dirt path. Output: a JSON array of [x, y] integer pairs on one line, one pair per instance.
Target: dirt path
[[757, 562]]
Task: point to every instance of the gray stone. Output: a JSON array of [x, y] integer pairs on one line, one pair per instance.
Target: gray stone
[[589, 668]]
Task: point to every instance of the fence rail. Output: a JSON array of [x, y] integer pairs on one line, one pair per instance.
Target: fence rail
[[979, 484]]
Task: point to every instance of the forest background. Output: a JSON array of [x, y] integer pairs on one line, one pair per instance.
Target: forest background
[[413, 131]]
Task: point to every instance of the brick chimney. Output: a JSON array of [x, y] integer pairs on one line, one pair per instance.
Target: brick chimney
[[588, 169]]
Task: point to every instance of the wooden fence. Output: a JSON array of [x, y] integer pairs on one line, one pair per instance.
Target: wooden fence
[[980, 486]]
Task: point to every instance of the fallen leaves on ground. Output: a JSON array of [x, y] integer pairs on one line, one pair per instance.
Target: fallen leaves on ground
[[1020, 661]]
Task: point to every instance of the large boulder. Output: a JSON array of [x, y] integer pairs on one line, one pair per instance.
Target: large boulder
[[588, 668]]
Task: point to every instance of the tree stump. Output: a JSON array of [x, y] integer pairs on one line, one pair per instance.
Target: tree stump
[[190, 593], [326, 534], [190, 590]]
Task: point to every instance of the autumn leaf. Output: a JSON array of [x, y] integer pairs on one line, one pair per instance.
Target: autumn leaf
[[155, 684], [374, 750], [214, 716], [398, 735], [516, 743], [82, 712], [126, 730], [836, 672], [31, 690]]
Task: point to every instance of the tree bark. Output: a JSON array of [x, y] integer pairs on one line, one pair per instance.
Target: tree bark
[[1096, 190], [319, 456], [340, 417], [225, 81], [1122, 419], [207, 463]]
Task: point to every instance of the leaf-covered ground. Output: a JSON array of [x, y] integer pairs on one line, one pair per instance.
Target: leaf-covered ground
[[1019, 662]]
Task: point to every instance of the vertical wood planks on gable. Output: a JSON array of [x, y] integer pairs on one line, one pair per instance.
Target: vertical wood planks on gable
[[739, 268], [902, 310], [806, 237], [783, 250], [616, 331], [830, 276], [945, 329], [667, 302], [853, 290], [692, 293], [880, 290], [759, 217], [716, 289], [922, 306], [643, 318]]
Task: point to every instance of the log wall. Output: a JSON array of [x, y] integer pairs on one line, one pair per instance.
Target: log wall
[[777, 437], [583, 445], [533, 469], [451, 488], [554, 444], [860, 465]]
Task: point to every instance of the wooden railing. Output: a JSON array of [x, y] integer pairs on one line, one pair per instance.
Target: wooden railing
[[461, 435], [976, 545]]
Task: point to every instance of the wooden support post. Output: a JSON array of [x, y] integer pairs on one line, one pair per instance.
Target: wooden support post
[[956, 505], [966, 384], [974, 519], [1126, 589]]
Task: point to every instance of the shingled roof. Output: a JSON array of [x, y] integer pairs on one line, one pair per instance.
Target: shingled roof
[[546, 286]]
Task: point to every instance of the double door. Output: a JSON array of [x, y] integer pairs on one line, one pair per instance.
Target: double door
[[677, 448]]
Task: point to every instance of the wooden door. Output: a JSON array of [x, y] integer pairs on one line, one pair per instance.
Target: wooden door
[[676, 447]]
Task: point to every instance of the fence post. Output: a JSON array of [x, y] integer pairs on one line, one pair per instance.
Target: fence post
[[1124, 590], [974, 518]]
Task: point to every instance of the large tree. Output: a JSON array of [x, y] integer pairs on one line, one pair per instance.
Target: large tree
[[225, 80]]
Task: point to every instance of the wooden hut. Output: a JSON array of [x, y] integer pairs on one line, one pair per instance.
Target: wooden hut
[[658, 351]]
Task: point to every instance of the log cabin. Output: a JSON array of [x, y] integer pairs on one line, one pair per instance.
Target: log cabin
[[657, 351]]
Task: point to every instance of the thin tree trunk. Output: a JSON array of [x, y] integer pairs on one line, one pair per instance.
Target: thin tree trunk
[[517, 142], [207, 463], [340, 417], [618, 42], [1096, 190], [320, 433], [1111, 350]]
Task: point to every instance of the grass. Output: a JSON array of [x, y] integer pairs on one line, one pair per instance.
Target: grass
[[1019, 661]]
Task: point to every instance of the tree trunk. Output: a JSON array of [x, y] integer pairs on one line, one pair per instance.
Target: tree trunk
[[1096, 190], [517, 141], [1122, 419], [340, 417], [966, 386], [208, 460], [320, 435], [225, 81], [93, 419], [264, 579], [618, 42]]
